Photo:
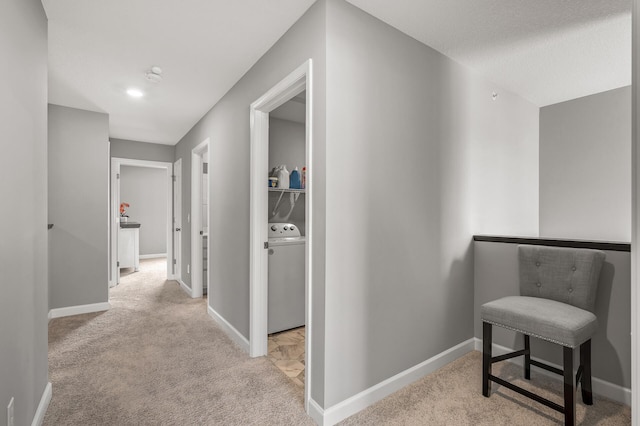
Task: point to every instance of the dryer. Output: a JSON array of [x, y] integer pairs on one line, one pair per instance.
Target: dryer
[[286, 308]]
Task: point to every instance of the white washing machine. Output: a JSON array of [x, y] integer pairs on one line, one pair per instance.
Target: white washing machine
[[286, 277]]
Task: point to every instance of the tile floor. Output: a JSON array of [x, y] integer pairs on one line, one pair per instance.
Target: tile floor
[[286, 351]]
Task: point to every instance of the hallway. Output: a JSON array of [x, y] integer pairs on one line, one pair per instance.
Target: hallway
[[157, 358]]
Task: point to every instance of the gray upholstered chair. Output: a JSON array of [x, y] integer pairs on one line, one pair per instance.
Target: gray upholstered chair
[[557, 297]]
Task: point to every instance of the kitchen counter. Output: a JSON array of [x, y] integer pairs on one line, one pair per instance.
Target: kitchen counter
[[129, 245], [129, 225]]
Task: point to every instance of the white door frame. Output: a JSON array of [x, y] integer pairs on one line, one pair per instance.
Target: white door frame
[[295, 83], [200, 152], [635, 216], [116, 163], [177, 220]]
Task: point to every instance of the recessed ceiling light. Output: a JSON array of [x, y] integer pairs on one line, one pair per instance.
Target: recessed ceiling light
[[135, 93]]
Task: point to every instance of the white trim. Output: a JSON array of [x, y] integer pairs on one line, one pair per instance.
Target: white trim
[[153, 256], [38, 418], [309, 228], [367, 397], [600, 387], [116, 164], [177, 220], [298, 81], [143, 163], [316, 412], [111, 282], [185, 287], [635, 212], [114, 219], [229, 330], [79, 309]]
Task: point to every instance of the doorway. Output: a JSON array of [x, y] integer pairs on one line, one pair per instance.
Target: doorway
[[177, 221], [200, 214], [124, 237], [286, 219], [296, 83]]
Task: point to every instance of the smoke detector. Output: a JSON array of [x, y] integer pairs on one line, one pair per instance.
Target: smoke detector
[[154, 75]]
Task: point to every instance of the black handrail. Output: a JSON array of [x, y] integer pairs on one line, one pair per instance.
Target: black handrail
[[556, 242]]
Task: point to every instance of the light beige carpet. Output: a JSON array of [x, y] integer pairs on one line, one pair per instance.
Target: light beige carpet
[[156, 358], [452, 396]]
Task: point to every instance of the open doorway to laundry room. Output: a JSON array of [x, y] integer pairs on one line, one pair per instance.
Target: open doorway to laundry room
[[286, 222], [141, 216], [280, 290]]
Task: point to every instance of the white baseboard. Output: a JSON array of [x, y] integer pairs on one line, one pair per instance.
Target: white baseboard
[[367, 397], [38, 418], [184, 286], [80, 309], [152, 256], [600, 387], [316, 412], [230, 330]]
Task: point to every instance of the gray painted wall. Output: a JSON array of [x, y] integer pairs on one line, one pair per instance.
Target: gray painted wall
[[419, 158], [78, 206], [496, 276], [227, 126], [121, 148], [145, 189], [585, 167], [23, 189], [287, 146], [445, 148]]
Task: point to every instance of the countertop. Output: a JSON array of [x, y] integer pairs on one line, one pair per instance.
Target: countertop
[[129, 225]]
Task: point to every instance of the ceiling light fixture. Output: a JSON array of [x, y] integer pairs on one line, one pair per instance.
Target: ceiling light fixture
[[135, 93], [154, 75]]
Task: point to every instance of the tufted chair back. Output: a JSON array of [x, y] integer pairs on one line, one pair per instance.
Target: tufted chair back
[[567, 275]]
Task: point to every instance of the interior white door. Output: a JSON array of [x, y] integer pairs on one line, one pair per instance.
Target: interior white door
[[177, 219], [115, 221], [199, 154]]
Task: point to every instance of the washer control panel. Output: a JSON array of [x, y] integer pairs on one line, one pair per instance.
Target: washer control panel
[[283, 230]]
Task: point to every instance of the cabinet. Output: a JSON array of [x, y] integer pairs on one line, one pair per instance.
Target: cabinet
[[129, 247]]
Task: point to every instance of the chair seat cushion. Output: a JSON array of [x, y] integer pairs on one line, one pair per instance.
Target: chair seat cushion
[[546, 319]]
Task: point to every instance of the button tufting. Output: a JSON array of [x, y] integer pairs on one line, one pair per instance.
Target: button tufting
[[537, 263], [538, 284], [570, 290], [573, 268]]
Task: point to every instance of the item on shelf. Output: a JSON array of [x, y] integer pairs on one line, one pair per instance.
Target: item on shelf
[[303, 178], [294, 179], [283, 177], [273, 182]]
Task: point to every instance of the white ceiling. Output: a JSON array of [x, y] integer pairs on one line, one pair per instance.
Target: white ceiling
[[547, 51], [97, 49]]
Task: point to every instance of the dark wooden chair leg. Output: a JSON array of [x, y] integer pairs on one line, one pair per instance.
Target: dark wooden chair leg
[[569, 388], [486, 358], [527, 358], [585, 362]]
